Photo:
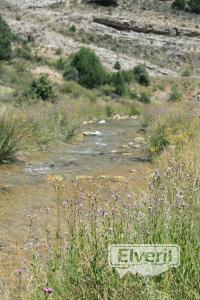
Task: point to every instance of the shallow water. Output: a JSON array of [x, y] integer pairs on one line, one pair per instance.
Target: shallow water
[[24, 187]]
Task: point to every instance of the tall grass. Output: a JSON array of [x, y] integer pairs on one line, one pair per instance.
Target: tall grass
[[74, 265], [13, 130]]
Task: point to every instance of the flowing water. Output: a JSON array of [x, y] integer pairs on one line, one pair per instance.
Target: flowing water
[[24, 187]]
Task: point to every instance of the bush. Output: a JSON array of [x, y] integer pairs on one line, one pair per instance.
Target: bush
[[119, 83], [5, 40], [91, 71], [178, 4], [158, 138], [72, 28], [144, 98], [117, 66], [127, 76], [41, 88], [141, 75], [70, 73], [194, 6], [105, 2], [24, 53], [60, 63], [11, 135], [175, 94]]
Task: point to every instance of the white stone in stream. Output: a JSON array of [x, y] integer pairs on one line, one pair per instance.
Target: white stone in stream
[[85, 123], [92, 133], [102, 122]]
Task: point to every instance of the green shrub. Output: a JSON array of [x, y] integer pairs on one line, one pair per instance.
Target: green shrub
[[91, 71], [109, 111], [144, 98], [105, 2], [58, 51], [70, 73], [41, 88], [133, 95], [5, 40], [128, 76], [194, 6], [119, 83], [141, 75], [24, 53], [60, 63], [72, 28], [12, 131], [187, 73], [158, 138], [175, 94], [178, 4], [117, 66]]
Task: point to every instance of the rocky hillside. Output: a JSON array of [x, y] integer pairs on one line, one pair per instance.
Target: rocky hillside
[[135, 32]]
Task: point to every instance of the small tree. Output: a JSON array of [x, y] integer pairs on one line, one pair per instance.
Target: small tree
[[70, 73], [91, 71], [5, 40], [119, 83], [178, 4], [117, 66], [105, 2], [194, 6], [41, 88], [141, 75]]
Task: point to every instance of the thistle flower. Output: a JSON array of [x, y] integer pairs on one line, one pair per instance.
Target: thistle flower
[[48, 290]]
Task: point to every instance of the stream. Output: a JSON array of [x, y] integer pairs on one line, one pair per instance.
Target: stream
[[111, 148]]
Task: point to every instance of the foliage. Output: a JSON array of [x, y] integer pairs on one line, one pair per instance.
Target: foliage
[[144, 98], [141, 75], [119, 83], [12, 132], [70, 73], [72, 28], [23, 52], [91, 71], [5, 40], [117, 66], [179, 4], [194, 6], [41, 88], [105, 2], [175, 94]]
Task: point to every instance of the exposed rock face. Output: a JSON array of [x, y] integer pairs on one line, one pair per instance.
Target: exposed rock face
[[35, 3], [161, 41], [127, 25]]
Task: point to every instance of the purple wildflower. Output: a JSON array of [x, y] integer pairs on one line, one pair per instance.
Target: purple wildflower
[[48, 290]]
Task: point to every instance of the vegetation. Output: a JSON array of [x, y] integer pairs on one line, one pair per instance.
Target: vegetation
[[178, 4], [117, 66], [141, 75], [70, 73], [12, 133], [144, 98], [119, 83], [41, 88], [5, 40], [175, 94], [105, 2], [194, 6], [91, 71], [77, 267], [187, 5]]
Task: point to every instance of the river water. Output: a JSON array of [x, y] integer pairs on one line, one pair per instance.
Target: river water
[[24, 188]]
